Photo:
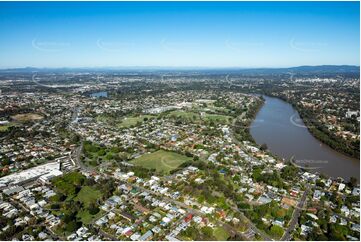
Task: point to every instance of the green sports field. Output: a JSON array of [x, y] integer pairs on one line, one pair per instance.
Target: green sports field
[[129, 121], [162, 161]]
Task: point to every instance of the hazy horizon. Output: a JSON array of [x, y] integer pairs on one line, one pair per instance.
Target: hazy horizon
[[174, 67]]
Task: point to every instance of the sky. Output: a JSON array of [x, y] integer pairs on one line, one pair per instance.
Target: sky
[[179, 34]]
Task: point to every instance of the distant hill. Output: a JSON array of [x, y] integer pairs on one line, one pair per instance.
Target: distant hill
[[324, 69]]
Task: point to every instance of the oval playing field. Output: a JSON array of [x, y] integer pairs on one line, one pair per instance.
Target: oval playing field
[[161, 161]]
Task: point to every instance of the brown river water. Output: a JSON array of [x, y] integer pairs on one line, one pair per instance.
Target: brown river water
[[279, 125]]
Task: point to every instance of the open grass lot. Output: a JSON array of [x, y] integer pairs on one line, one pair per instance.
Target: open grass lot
[[224, 119], [214, 110], [185, 116], [220, 234], [161, 161], [220, 109], [190, 116], [129, 121], [88, 195], [87, 218], [123, 122], [104, 118], [5, 127], [25, 117]]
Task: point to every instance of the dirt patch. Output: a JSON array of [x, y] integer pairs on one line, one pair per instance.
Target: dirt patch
[[25, 117]]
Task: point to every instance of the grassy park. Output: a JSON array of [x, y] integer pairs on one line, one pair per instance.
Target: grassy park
[[132, 121], [184, 116], [88, 195], [188, 116], [161, 161], [75, 200], [216, 118], [123, 122]]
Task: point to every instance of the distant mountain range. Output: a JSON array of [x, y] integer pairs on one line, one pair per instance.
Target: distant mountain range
[[324, 69]]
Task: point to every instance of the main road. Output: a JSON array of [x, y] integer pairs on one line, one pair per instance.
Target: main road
[[296, 214]]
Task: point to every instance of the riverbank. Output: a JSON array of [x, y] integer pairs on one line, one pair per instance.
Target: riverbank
[[287, 139], [314, 128], [241, 126]]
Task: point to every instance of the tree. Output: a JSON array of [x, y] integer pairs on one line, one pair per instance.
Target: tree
[[73, 226], [93, 208], [208, 232], [353, 182], [6, 161], [55, 206], [264, 147], [276, 231], [68, 217], [201, 199]]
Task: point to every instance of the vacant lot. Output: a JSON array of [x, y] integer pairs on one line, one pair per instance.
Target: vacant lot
[[25, 117], [161, 161]]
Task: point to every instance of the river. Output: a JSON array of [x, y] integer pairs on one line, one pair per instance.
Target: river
[[278, 125]]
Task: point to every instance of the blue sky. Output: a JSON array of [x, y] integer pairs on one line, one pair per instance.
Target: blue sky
[[204, 34]]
